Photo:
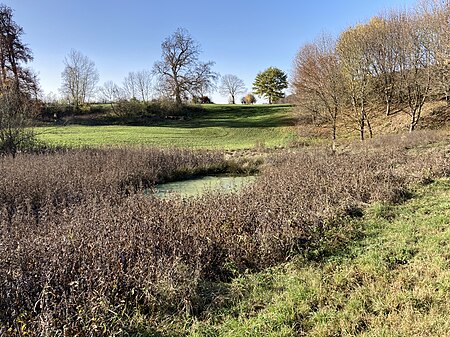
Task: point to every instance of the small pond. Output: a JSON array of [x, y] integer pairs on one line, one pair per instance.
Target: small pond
[[198, 186]]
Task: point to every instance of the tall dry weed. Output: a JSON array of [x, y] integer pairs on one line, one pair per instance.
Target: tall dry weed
[[79, 256]]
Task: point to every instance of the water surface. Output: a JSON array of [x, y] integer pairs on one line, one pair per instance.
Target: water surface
[[198, 186]]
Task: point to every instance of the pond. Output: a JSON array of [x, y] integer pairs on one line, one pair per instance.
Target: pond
[[198, 186]]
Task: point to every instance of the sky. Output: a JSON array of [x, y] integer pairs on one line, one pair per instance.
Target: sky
[[242, 37]]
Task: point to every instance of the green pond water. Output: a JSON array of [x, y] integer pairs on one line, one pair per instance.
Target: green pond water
[[196, 187]]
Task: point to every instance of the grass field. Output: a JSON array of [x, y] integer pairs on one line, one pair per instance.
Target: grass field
[[217, 126], [393, 281]]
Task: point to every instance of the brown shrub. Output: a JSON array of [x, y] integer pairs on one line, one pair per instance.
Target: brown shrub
[[84, 257]]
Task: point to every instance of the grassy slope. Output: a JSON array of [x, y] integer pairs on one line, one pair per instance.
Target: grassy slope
[[220, 126], [394, 281]]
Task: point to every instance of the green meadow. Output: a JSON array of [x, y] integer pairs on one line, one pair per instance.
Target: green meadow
[[214, 127]]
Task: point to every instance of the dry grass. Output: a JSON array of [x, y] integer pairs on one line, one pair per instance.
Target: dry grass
[[84, 250]]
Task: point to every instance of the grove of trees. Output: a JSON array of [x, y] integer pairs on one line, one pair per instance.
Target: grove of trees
[[399, 60]]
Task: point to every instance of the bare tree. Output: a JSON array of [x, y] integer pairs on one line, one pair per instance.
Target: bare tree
[[352, 48], [111, 93], [231, 86], [416, 72], [130, 86], [180, 72], [79, 78], [138, 85], [50, 98], [381, 35], [205, 81], [318, 81], [144, 85], [436, 17]]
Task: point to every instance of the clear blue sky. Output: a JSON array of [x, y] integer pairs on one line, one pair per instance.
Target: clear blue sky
[[242, 37]]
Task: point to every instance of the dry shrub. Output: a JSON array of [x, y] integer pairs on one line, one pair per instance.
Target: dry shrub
[[65, 178], [87, 267]]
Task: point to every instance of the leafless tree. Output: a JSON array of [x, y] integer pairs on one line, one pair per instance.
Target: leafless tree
[[79, 78], [50, 98], [111, 93], [352, 48], [318, 81], [144, 85], [436, 20], [381, 35], [416, 72], [205, 81], [231, 86], [139, 85], [130, 86], [180, 72]]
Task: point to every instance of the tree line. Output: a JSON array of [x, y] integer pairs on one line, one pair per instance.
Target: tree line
[[179, 75], [398, 60]]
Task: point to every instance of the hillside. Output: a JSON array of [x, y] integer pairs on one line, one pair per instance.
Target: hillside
[[231, 127], [435, 116], [211, 126]]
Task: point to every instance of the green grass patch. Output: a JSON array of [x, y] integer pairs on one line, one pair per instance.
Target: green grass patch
[[393, 281], [213, 126]]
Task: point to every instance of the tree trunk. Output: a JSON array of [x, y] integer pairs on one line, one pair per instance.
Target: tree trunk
[[177, 88], [369, 126], [177, 96], [413, 122], [412, 126], [361, 130], [362, 122], [333, 145], [388, 106]]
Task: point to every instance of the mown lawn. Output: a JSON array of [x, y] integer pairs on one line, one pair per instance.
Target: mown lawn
[[392, 281], [217, 126]]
